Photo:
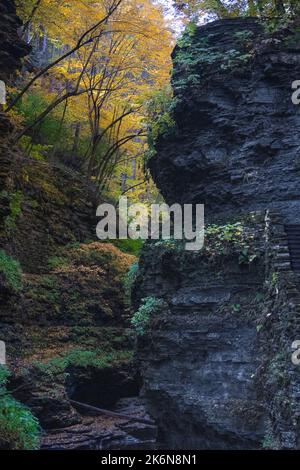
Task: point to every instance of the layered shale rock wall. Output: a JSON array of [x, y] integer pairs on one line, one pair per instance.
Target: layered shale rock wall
[[217, 363], [235, 147], [12, 48]]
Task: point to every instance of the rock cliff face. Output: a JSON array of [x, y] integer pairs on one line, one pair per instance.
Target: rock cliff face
[[236, 143], [12, 48], [217, 364], [200, 359]]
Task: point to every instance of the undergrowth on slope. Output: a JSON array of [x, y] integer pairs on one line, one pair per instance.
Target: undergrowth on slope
[[78, 357], [11, 270], [160, 120], [19, 429], [15, 207], [132, 247]]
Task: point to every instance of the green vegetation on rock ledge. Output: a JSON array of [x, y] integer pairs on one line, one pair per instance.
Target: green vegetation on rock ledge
[[11, 270], [93, 358], [15, 208], [19, 429], [83, 286], [132, 247], [220, 241], [160, 118], [149, 307], [194, 56]]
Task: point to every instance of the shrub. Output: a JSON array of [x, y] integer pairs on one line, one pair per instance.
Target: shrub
[[55, 262], [4, 374], [37, 151], [230, 238], [169, 244], [244, 36], [11, 270], [160, 121], [132, 247], [142, 317], [19, 429], [49, 130], [15, 207]]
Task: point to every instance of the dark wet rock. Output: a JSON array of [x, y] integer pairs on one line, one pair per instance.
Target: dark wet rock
[[102, 386], [103, 432], [236, 143], [12, 48], [199, 360], [216, 364], [44, 393], [47, 390]]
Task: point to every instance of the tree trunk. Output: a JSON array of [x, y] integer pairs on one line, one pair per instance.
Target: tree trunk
[[123, 182], [76, 140], [133, 169]]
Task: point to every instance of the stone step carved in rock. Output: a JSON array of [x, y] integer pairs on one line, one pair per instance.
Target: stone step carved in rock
[[293, 235]]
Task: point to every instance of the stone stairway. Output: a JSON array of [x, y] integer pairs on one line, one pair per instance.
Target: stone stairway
[[293, 235]]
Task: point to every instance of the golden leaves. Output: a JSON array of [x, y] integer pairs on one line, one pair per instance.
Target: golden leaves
[[122, 61]]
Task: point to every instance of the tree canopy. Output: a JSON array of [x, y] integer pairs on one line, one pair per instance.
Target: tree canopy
[[87, 84]]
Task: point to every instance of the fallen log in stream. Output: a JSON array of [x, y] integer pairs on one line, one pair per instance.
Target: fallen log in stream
[[111, 413]]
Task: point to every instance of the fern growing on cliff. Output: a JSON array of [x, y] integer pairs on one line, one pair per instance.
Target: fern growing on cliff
[[141, 319]]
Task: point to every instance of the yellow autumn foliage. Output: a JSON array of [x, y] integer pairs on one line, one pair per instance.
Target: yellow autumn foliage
[[124, 60]]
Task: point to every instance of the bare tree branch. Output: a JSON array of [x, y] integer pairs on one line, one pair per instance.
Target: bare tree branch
[[80, 43]]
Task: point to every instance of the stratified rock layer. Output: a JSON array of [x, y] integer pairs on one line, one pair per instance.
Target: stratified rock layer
[[12, 48], [199, 360], [236, 144], [216, 365]]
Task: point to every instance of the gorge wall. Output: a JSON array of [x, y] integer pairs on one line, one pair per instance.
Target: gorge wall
[[12, 48], [216, 364], [235, 146]]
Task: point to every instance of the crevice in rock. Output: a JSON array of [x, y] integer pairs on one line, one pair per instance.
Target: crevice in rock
[[293, 235], [102, 387]]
